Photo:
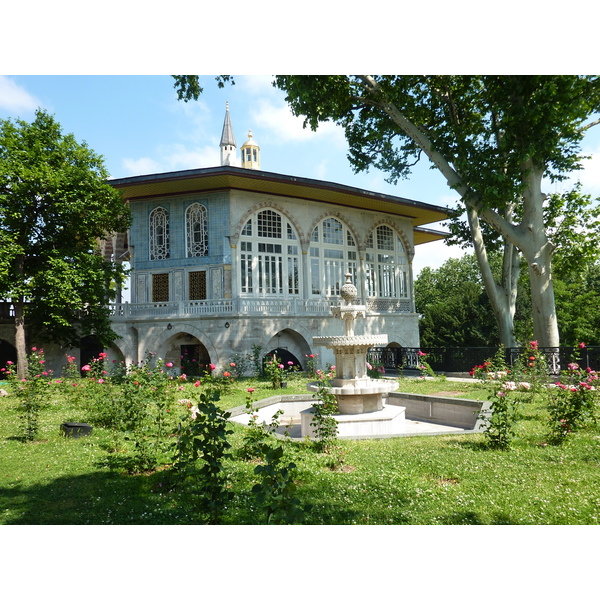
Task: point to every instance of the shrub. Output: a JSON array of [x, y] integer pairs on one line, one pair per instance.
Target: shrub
[[275, 492], [572, 400], [324, 424], [31, 391]]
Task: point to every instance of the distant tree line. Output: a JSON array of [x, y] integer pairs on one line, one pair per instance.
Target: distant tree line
[[455, 308]]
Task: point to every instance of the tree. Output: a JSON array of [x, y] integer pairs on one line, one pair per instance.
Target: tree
[[454, 307], [55, 206], [494, 139]]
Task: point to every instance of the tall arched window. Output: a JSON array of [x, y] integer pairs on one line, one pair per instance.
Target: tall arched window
[[159, 234], [386, 265], [332, 255], [269, 256], [196, 228]]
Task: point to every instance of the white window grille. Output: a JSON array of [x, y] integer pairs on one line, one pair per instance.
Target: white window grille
[[269, 268], [332, 255], [386, 267], [159, 234], [196, 225]]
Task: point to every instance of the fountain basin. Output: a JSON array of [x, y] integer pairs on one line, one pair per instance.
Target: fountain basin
[[356, 396], [424, 415]]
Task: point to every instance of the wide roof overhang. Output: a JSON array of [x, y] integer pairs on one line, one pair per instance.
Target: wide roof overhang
[[160, 185]]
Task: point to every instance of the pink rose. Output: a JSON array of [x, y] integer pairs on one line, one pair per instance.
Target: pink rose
[[86, 368], [197, 383], [169, 365]]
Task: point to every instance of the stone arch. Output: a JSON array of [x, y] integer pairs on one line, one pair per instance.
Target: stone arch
[[123, 349], [335, 215], [169, 342], [408, 247], [291, 342], [235, 237]]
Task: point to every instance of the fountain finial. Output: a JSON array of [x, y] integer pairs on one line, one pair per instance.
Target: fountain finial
[[349, 291]]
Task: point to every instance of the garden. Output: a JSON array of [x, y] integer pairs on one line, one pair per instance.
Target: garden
[[162, 450]]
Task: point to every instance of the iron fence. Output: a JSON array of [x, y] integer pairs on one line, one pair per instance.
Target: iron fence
[[462, 360]]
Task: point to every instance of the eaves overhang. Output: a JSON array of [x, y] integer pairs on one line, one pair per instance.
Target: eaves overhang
[[423, 236], [143, 187]]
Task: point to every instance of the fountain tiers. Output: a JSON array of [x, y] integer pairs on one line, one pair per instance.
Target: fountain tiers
[[359, 398], [355, 391]]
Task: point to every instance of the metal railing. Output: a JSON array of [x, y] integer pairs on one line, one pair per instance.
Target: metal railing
[[462, 360]]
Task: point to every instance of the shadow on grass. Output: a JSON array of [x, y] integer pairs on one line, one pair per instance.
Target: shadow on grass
[[473, 518], [91, 499]]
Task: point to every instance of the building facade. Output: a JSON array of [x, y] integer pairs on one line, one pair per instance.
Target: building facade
[[229, 259]]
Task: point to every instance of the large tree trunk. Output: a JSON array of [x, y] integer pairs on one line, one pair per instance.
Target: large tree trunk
[[20, 338], [19, 305], [537, 250], [502, 297]]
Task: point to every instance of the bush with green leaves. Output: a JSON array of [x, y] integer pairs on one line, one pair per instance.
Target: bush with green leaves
[[256, 433], [531, 368], [504, 411], [33, 391], [201, 448], [573, 400], [324, 424], [275, 491], [274, 369]]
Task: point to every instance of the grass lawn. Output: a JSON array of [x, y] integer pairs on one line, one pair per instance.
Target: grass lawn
[[448, 479]]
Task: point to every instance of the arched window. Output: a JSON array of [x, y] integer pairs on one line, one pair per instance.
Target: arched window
[[269, 256], [196, 228], [386, 265], [159, 234], [332, 255]]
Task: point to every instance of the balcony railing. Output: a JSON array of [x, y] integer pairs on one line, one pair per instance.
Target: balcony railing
[[247, 306]]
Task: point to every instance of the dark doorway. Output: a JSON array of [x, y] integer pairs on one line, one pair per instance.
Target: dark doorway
[[195, 359], [90, 349], [7, 353], [286, 357]]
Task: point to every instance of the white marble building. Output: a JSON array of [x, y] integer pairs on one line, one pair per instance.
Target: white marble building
[[232, 257]]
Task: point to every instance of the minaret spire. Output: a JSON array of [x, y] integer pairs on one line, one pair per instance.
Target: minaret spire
[[228, 146]]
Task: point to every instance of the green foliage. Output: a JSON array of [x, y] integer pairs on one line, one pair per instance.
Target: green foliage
[[325, 406], [504, 415], [572, 402], [200, 456], [424, 480], [275, 492], [33, 392], [274, 369], [531, 370], [55, 205], [456, 310], [312, 365], [256, 433], [578, 304], [188, 86]]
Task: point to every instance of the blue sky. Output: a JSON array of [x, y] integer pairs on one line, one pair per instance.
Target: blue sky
[[139, 126]]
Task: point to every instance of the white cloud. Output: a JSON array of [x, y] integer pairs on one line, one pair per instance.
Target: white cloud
[[140, 166], [277, 119], [173, 158], [14, 98]]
